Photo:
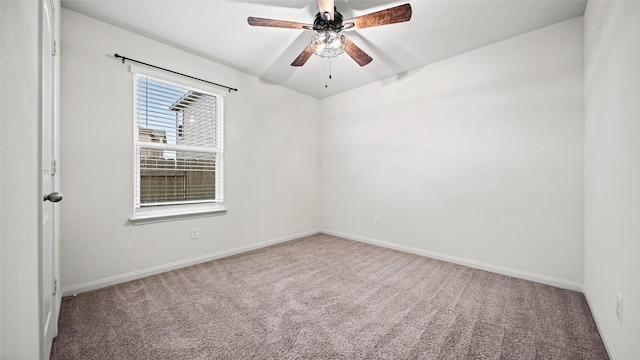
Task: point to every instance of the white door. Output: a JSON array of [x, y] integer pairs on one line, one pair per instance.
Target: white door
[[50, 197]]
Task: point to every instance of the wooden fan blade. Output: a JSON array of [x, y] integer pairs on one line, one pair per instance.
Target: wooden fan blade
[[392, 15], [303, 57], [355, 52], [326, 6], [254, 21]]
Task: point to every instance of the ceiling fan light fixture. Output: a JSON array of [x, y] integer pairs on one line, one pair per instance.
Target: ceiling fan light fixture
[[328, 23], [328, 44]]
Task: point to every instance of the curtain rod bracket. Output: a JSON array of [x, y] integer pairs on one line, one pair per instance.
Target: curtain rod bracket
[[174, 72]]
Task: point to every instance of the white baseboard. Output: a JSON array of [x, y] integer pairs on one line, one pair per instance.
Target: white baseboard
[[547, 280], [118, 279], [134, 275], [605, 339]]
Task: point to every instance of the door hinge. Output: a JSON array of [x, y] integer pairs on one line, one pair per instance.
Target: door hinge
[[54, 167], [54, 50], [55, 286]]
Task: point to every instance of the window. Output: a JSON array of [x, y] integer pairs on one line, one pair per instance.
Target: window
[[178, 150]]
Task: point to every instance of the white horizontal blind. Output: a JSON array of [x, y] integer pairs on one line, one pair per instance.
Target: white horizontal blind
[[178, 144]]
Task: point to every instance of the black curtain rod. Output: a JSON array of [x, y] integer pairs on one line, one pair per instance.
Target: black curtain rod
[[173, 72]]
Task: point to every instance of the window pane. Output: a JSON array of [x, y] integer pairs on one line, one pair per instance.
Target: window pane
[[172, 115], [183, 176]]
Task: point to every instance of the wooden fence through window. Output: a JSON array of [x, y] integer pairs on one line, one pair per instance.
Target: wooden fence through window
[[168, 180]]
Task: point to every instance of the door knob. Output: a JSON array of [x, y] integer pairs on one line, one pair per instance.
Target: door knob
[[53, 197]]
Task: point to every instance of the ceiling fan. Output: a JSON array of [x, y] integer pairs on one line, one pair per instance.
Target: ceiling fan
[[328, 42]]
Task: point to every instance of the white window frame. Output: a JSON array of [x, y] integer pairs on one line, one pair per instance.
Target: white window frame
[[154, 214]]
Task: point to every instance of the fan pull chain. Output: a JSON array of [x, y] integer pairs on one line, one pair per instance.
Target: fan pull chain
[[326, 82], [329, 68]]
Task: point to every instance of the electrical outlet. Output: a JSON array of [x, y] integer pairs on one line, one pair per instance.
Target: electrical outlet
[[619, 307], [376, 220], [195, 233]]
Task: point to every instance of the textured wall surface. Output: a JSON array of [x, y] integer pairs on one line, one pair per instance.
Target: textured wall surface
[[612, 170], [478, 157], [271, 159]]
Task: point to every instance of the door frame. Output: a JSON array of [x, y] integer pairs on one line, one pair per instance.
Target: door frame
[[49, 234]]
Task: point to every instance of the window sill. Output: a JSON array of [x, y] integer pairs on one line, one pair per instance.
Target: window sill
[[151, 218]]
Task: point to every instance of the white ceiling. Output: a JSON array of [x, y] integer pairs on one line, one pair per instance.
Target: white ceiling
[[218, 30]]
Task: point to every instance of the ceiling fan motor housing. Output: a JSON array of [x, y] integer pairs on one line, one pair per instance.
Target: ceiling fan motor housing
[[321, 24]]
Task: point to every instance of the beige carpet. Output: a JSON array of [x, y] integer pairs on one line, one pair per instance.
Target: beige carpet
[[323, 297]]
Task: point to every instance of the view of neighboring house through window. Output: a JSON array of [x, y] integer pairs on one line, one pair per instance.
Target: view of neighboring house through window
[[178, 145]]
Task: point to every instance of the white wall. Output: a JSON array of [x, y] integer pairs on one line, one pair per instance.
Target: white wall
[[20, 194], [271, 159], [477, 157], [612, 170]]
